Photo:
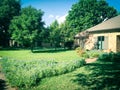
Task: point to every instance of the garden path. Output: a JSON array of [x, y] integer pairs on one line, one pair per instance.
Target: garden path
[[90, 60]]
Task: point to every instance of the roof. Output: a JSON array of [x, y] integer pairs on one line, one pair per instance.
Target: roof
[[83, 34], [110, 24]]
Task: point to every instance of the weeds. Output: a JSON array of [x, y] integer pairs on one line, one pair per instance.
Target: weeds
[[29, 73]]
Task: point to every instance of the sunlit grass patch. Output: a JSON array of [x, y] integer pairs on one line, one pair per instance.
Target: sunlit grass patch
[[26, 69]]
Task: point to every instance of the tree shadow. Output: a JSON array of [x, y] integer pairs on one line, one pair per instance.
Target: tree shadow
[[104, 76], [13, 49], [3, 85], [50, 51]]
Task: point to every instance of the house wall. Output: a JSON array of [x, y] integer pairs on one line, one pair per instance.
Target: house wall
[[90, 41], [113, 44]]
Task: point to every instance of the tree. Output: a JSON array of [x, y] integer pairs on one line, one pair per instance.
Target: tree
[[65, 36], [55, 34], [25, 29], [87, 13], [8, 9]]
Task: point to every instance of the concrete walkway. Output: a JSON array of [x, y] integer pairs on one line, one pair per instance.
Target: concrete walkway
[[90, 60]]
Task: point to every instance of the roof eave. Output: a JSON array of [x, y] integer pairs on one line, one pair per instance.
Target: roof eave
[[105, 30]]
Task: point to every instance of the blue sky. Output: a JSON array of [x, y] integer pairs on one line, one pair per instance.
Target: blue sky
[[58, 9]]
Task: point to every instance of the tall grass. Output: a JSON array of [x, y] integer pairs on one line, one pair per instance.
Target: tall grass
[[28, 73]]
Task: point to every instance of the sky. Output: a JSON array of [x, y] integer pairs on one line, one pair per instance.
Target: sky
[[58, 9]]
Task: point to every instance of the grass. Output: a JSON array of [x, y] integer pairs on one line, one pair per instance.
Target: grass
[[26, 69], [95, 76], [29, 73], [28, 55]]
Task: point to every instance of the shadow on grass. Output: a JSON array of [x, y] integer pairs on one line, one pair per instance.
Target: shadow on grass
[[104, 76], [50, 50], [3, 85], [13, 49]]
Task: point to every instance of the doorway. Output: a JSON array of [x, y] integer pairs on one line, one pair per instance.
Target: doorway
[[118, 43]]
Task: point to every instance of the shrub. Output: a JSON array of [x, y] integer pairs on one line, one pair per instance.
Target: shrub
[[69, 44], [81, 52], [110, 57], [104, 57], [115, 57], [29, 73], [95, 55], [85, 55]]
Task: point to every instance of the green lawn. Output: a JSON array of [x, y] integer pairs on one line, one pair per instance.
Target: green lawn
[[23, 68], [28, 55], [95, 76]]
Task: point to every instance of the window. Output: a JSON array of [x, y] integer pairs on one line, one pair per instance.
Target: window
[[100, 42], [100, 38]]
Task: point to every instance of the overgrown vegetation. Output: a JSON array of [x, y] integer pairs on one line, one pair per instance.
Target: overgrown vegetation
[[35, 71], [93, 76], [99, 75], [110, 57], [88, 54], [29, 73]]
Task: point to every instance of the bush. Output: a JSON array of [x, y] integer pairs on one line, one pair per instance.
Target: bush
[[29, 73], [115, 57], [69, 44], [110, 57], [104, 57], [81, 52], [95, 55]]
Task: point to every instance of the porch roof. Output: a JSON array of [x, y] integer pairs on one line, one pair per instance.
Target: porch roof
[[83, 34]]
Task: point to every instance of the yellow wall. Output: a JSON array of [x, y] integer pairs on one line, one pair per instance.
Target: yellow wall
[[112, 40]]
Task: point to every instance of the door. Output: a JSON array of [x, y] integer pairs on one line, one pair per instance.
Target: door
[[118, 43], [100, 42]]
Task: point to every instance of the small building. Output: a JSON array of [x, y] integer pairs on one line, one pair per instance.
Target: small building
[[104, 36]]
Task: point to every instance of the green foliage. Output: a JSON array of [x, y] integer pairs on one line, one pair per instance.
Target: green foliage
[[87, 13], [26, 27], [95, 55], [88, 54], [81, 52], [55, 38], [8, 9], [29, 73], [98, 75], [69, 44], [110, 57]]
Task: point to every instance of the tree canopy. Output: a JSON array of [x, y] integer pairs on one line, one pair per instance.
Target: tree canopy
[[87, 13], [26, 27], [55, 34], [8, 9]]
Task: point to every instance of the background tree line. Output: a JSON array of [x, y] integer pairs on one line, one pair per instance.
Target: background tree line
[[24, 26]]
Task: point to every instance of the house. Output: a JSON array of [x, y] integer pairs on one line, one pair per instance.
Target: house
[[104, 36]]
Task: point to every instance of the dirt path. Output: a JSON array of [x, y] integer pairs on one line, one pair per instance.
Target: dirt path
[[90, 60], [3, 84]]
